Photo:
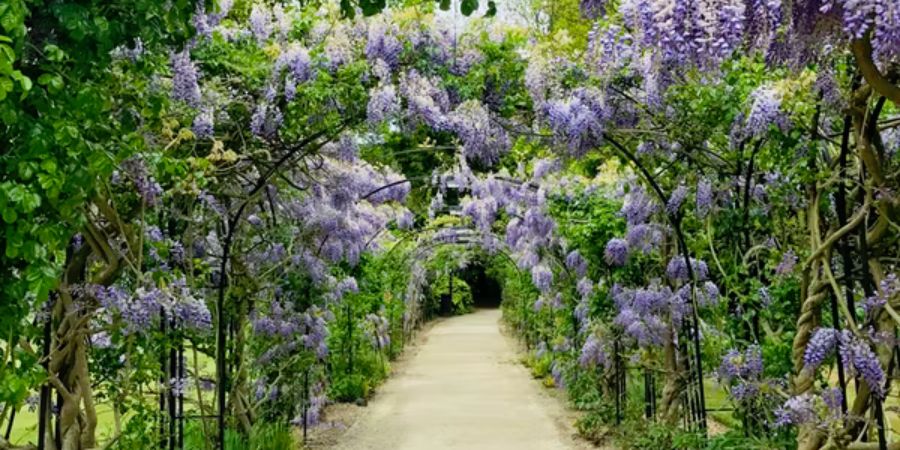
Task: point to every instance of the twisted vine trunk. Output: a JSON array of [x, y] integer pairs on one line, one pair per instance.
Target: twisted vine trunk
[[869, 253], [70, 376], [673, 388]]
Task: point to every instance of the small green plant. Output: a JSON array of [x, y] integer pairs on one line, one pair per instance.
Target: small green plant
[[263, 436], [350, 388]]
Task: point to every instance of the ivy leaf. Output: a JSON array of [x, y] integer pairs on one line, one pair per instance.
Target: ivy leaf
[[467, 7]]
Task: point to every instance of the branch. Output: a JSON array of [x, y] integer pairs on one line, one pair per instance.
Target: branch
[[862, 50], [857, 219]]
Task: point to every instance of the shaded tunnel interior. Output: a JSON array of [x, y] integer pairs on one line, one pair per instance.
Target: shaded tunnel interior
[[485, 290]]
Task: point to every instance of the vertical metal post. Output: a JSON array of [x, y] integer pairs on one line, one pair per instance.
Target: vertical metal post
[[44, 408], [306, 403], [163, 380], [173, 378], [12, 420], [349, 338], [617, 367], [181, 376], [221, 342]]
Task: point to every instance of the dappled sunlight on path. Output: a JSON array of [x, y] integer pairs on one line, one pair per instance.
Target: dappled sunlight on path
[[463, 389]]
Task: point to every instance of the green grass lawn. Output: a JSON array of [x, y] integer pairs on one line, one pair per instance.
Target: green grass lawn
[[25, 427]]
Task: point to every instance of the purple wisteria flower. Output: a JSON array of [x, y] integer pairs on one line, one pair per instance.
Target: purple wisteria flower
[[765, 110], [821, 345], [585, 287], [677, 269], [266, 120], [591, 9], [147, 187], [797, 410], [638, 206], [405, 220], [383, 44], [788, 261], [859, 359], [204, 124], [676, 199], [704, 198], [185, 78], [616, 253], [482, 140], [575, 124], [542, 277], [593, 353], [887, 289], [383, 105], [576, 263], [261, 23]]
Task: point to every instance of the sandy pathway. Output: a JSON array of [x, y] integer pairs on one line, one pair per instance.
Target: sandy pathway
[[463, 389]]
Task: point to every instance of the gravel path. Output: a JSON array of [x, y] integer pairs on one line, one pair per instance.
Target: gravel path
[[463, 389]]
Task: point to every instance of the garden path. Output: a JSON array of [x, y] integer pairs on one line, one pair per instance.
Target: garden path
[[463, 389]]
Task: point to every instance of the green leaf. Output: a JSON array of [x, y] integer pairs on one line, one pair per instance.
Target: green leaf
[[467, 7], [445, 5], [6, 86], [347, 9], [491, 9], [54, 53], [9, 216], [372, 7], [49, 166]]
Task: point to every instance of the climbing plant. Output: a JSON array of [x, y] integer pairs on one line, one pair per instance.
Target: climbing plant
[[218, 217]]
